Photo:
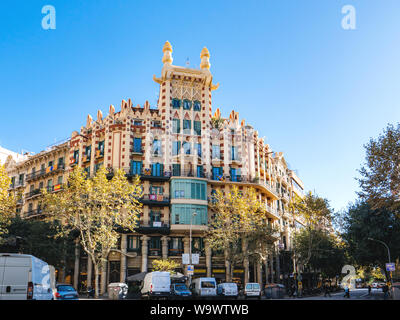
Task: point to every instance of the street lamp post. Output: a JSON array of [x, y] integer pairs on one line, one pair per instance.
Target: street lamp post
[[388, 252], [190, 244]]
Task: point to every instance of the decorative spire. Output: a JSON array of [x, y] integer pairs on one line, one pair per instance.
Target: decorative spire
[[167, 49], [205, 59]]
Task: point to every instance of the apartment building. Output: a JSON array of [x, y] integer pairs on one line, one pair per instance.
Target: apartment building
[[183, 152]]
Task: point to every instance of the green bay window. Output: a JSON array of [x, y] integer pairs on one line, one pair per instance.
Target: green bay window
[[188, 189], [183, 214]]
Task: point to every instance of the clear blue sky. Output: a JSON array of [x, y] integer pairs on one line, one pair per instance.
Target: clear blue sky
[[315, 91]]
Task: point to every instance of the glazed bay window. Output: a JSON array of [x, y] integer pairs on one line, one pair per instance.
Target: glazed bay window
[[188, 189], [183, 214], [155, 246], [197, 127], [176, 126], [133, 244], [175, 246], [176, 103]]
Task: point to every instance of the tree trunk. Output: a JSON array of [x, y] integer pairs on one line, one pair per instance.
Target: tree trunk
[[96, 280]]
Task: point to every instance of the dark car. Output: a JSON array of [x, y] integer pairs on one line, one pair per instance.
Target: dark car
[[65, 292], [180, 290]]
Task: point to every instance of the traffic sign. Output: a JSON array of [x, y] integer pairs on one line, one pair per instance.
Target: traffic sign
[[195, 258], [190, 269], [185, 258], [390, 266]]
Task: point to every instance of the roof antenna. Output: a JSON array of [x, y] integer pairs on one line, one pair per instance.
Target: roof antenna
[[187, 62]]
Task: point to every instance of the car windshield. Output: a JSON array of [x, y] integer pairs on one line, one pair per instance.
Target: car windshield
[[208, 284], [65, 288], [180, 287], [254, 286]]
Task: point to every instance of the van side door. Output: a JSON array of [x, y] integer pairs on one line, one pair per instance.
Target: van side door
[[16, 277], [2, 261]]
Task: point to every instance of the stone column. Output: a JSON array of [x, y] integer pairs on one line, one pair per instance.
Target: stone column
[[266, 270], [259, 273], [208, 258], [76, 268], [89, 272], [227, 269], [145, 246], [165, 240], [124, 238]]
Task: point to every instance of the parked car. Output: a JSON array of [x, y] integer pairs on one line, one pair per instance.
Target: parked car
[[24, 277], [156, 285], [180, 290], [65, 292], [204, 287], [228, 290], [251, 290]]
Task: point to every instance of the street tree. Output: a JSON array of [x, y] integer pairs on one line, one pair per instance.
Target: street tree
[[96, 209], [316, 215], [361, 222], [380, 175], [7, 202], [239, 227]]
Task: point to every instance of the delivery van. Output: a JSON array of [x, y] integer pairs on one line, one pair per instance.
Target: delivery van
[[156, 285], [204, 287], [24, 277]]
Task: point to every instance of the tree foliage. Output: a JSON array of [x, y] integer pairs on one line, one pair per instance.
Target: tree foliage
[[380, 175], [96, 208], [168, 265], [7, 201]]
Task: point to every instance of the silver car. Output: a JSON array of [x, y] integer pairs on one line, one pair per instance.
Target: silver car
[[252, 290]]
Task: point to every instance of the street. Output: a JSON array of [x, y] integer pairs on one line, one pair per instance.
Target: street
[[356, 294]]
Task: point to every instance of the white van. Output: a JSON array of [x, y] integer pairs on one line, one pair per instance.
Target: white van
[[24, 277], [228, 290], [156, 285], [204, 287]]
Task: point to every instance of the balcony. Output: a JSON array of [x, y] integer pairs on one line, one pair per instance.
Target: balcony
[[74, 161], [34, 212], [32, 193], [86, 158], [55, 188], [153, 227], [99, 154], [155, 200], [148, 174], [188, 173], [137, 151], [49, 170]]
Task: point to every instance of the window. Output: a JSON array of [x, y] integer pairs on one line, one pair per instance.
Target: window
[[217, 173], [137, 145], [101, 148], [197, 127], [176, 126], [183, 214], [21, 179], [157, 170], [176, 103], [216, 154], [136, 167], [156, 147], [176, 148], [60, 180], [43, 166], [97, 167], [155, 246], [156, 189], [60, 163], [88, 151], [156, 124], [51, 163], [133, 243], [175, 246], [155, 216], [234, 153], [198, 245], [197, 106], [186, 147], [197, 147], [187, 105], [76, 156], [137, 122], [87, 172], [188, 189], [200, 172], [176, 169], [234, 176], [187, 126]]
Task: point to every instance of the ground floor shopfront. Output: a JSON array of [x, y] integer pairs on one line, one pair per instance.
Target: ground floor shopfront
[[136, 254]]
